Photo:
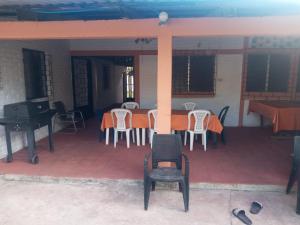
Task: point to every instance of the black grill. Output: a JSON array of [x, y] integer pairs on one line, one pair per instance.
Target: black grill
[[27, 116]]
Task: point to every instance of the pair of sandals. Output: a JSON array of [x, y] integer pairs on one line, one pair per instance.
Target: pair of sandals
[[241, 214]]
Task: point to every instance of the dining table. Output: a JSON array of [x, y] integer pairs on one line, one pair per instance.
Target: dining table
[[284, 115], [179, 122]]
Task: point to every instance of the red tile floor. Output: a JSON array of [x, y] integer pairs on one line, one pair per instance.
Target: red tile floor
[[251, 156]]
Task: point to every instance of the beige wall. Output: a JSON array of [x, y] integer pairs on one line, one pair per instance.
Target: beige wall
[[114, 94], [178, 43], [228, 87], [13, 85], [228, 80]]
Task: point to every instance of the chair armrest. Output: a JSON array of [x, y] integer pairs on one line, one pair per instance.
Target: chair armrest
[[76, 111], [186, 165], [66, 114], [146, 164]]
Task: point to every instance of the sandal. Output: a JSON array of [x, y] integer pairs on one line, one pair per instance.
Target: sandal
[[255, 207], [241, 215]]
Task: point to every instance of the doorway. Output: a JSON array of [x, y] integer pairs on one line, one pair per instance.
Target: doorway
[[82, 85]]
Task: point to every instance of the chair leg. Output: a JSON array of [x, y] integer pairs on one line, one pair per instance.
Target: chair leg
[[151, 137], [128, 138], [191, 141], [298, 191], [54, 123], [185, 137], [223, 137], [180, 187], [115, 138], [292, 178], [153, 185], [204, 140], [133, 136], [298, 194], [185, 196], [147, 184], [74, 124], [107, 136], [82, 119]]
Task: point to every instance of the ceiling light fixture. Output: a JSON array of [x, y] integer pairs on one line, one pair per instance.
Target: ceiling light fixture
[[163, 18]]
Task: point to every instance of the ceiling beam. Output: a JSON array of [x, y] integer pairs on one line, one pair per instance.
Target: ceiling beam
[[188, 27]]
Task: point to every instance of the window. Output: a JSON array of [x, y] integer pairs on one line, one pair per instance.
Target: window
[[35, 74], [193, 75], [129, 82], [268, 73]]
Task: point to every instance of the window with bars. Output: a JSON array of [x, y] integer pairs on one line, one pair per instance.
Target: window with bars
[[268, 72], [129, 83], [193, 75]]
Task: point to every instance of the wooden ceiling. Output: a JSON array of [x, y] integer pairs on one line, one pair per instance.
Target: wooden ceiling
[[49, 10]]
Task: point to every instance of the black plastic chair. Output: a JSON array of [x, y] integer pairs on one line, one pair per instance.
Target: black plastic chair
[[222, 117], [295, 172], [166, 148], [67, 117]]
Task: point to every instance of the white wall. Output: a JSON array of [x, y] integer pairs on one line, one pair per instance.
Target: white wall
[[12, 80], [228, 87], [148, 81], [114, 94], [252, 119]]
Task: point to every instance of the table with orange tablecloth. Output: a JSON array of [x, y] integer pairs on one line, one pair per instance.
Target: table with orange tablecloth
[[285, 115], [179, 122]]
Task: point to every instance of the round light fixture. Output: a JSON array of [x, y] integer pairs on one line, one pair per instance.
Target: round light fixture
[[163, 18]]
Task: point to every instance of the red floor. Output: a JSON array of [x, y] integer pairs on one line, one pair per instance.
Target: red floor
[[250, 157]]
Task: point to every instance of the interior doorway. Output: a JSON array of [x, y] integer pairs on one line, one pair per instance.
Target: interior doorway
[[82, 85]]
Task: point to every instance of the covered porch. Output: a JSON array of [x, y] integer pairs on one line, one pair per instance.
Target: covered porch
[[251, 157]]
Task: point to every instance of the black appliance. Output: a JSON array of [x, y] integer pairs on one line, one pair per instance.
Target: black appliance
[[27, 116]]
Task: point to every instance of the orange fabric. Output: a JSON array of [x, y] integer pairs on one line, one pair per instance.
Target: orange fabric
[[285, 115], [179, 120]]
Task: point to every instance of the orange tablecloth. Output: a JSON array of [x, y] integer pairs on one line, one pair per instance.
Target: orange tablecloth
[[179, 120], [285, 115]]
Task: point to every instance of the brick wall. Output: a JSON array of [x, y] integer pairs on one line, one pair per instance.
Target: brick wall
[[12, 85]]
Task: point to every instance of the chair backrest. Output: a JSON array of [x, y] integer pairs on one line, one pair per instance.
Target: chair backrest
[[119, 118], [200, 121], [152, 116], [222, 114], [59, 107], [130, 105], [189, 105], [166, 148]]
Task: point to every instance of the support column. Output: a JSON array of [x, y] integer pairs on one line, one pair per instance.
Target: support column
[[164, 80]]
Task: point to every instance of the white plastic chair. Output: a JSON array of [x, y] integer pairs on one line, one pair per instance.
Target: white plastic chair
[[130, 105], [119, 124], [200, 126], [152, 116], [189, 105]]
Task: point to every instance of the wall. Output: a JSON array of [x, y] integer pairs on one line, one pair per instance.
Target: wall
[[228, 80], [12, 79], [228, 87], [114, 94], [178, 43]]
